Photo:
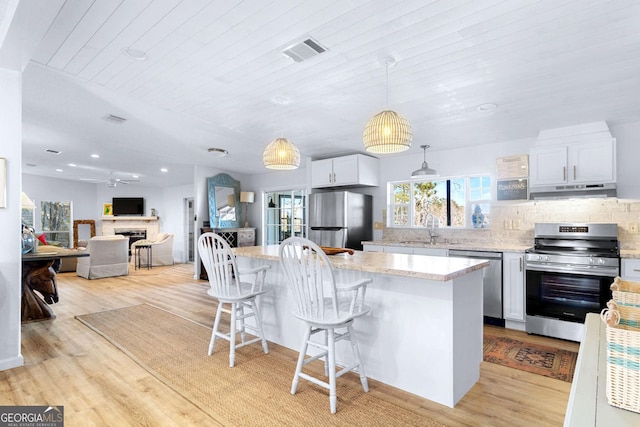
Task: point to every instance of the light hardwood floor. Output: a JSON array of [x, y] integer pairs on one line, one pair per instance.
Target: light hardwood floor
[[68, 364]]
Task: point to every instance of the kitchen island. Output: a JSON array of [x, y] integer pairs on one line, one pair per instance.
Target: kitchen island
[[424, 332]]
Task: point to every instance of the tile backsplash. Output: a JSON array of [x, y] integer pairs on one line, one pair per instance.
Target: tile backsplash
[[513, 223]]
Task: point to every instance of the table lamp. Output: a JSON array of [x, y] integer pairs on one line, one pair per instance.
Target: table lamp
[[246, 197]]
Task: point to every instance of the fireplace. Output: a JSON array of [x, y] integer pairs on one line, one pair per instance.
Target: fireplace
[[133, 234]]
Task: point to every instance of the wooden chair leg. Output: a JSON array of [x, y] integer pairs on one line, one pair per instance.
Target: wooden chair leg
[[303, 352], [333, 400], [216, 325], [256, 315], [356, 354], [232, 335]]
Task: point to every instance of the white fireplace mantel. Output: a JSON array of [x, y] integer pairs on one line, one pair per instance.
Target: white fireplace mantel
[[148, 223]]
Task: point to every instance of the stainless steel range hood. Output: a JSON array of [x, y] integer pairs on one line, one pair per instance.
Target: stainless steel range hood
[[573, 191]]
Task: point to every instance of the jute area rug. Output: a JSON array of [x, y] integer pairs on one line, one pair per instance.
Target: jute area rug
[[256, 392], [535, 358]]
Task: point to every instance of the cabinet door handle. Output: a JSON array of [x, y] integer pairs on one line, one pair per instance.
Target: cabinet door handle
[[636, 270], [574, 172], [330, 182], [564, 173], [334, 178], [520, 264]]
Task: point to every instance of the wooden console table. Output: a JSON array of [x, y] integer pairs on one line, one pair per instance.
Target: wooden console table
[[39, 274], [588, 404]]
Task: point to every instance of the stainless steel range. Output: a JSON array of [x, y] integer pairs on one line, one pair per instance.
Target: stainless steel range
[[568, 274]]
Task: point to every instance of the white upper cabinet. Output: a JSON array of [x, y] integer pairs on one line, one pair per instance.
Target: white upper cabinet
[[353, 170], [592, 162]]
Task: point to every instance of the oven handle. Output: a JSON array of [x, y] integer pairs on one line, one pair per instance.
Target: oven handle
[[601, 271]]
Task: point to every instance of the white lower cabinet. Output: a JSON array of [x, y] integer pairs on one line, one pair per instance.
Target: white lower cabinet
[[513, 290], [431, 251], [631, 269], [406, 250]]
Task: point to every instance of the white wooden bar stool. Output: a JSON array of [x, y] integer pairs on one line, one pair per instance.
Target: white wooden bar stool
[[226, 286], [325, 307]]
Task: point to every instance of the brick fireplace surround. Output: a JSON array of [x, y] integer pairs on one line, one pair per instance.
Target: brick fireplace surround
[[112, 224]]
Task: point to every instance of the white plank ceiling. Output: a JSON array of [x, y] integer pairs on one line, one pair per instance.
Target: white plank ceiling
[[215, 76]]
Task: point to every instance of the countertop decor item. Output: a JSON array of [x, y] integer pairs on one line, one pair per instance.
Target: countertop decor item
[[333, 251]]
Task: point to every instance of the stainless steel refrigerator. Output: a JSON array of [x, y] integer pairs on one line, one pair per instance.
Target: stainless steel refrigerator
[[340, 219]]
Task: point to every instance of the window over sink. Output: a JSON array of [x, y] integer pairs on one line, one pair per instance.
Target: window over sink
[[462, 202]]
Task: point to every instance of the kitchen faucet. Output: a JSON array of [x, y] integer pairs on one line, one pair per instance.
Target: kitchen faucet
[[432, 230]]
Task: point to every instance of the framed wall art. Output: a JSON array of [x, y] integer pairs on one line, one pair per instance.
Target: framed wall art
[[107, 209], [3, 182]]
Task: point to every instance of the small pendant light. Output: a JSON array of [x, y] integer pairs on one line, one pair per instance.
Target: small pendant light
[[388, 131], [281, 154], [425, 170]]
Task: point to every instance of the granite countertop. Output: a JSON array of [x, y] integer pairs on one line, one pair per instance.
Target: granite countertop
[[417, 266], [465, 246], [629, 253], [479, 246]]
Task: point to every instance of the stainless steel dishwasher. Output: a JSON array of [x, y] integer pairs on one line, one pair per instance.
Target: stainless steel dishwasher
[[491, 279]]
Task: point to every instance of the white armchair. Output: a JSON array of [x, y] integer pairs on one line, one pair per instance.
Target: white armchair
[[108, 257], [161, 250]]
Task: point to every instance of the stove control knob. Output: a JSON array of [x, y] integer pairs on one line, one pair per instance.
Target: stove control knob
[[590, 260], [547, 258], [601, 261]]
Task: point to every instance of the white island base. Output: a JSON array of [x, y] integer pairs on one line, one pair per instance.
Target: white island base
[[423, 335]]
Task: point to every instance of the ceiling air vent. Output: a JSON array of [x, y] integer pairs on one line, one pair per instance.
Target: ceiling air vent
[[304, 50], [50, 151], [115, 119]]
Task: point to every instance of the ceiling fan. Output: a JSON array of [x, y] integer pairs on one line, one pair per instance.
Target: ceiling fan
[[111, 181]]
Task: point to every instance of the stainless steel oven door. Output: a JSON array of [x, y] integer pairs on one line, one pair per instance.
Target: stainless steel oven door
[[567, 296]]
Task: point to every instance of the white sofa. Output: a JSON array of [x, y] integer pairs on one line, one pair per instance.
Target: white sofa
[[108, 257], [161, 250]]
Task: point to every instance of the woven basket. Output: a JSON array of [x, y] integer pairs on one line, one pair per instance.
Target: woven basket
[[626, 292], [626, 295], [623, 367], [622, 317]]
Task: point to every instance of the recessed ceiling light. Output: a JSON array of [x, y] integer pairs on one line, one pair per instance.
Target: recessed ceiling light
[[136, 54], [73, 165], [59, 170], [135, 176], [95, 156], [487, 108], [218, 152], [164, 170]]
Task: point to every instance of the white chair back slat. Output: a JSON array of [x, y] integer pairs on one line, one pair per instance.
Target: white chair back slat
[[309, 273], [220, 264]]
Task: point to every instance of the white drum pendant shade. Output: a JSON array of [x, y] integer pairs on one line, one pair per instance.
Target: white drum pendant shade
[[281, 154], [387, 132]]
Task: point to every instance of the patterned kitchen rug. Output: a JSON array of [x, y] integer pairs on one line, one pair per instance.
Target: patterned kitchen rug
[[529, 357]]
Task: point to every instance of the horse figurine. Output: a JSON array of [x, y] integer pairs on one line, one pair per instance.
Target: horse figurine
[[39, 276]]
